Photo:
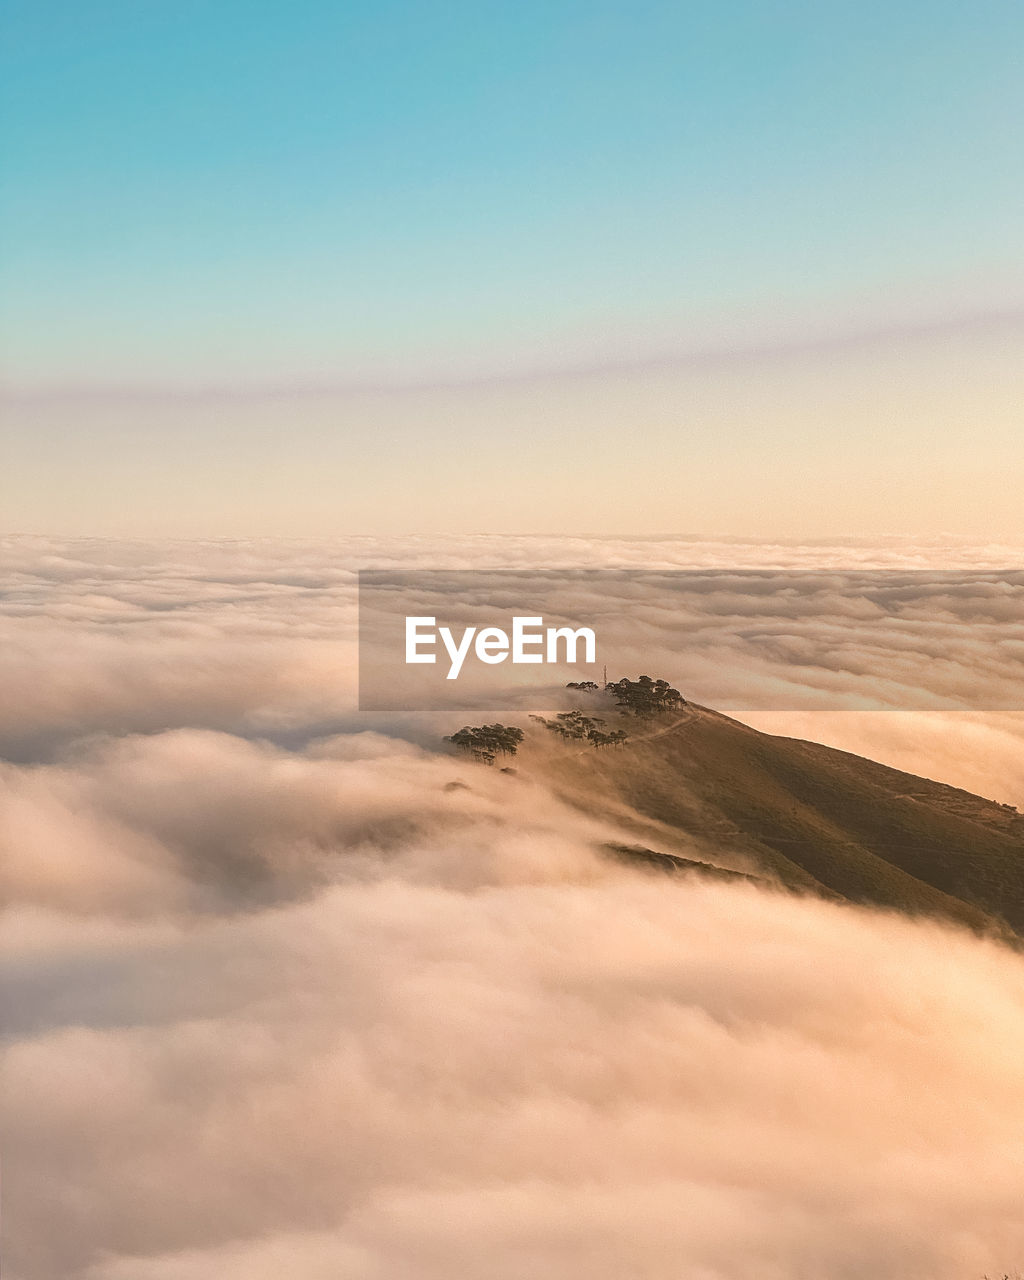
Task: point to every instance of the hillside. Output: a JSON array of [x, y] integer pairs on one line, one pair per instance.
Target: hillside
[[706, 787]]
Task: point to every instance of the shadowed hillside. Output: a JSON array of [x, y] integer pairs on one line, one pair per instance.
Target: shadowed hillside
[[810, 817]]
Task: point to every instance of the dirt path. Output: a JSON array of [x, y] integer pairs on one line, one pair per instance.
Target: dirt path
[[690, 713]]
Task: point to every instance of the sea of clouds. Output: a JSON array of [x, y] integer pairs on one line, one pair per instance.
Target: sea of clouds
[[280, 999]]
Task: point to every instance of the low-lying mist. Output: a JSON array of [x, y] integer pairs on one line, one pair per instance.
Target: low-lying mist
[[287, 1000], [327, 1015]]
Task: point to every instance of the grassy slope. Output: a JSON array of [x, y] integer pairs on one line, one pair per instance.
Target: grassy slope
[[819, 818]]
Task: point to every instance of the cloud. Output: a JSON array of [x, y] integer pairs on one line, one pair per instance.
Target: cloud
[[444, 1038], [259, 638], [280, 1000]]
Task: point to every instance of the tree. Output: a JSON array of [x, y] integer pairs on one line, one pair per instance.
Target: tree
[[570, 724], [487, 741], [645, 697], [583, 686], [575, 726]]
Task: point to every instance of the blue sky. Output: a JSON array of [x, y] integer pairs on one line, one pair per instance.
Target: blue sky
[[229, 191], [216, 215]]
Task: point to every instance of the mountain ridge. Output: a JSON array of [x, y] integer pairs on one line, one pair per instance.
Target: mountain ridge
[[807, 816]]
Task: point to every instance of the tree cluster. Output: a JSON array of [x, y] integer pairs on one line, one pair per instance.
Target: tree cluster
[[645, 697], [575, 726], [487, 741]]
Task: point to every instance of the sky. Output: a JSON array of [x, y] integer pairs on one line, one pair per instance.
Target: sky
[[747, 268]]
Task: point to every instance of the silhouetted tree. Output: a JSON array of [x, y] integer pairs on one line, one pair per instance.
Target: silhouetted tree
[[486, 742], [570, 724], [577, 727], [645, 697]]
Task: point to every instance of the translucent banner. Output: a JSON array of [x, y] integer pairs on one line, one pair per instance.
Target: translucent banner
[[730, 639]]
